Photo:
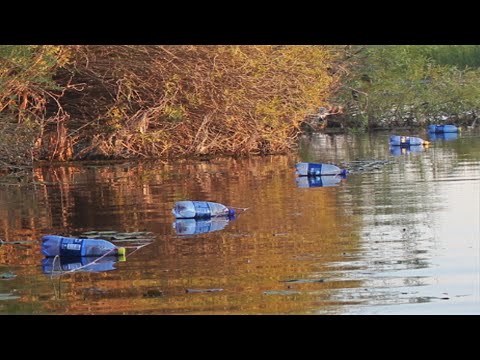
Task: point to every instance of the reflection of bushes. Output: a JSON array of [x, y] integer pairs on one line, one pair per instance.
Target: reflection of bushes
[[261, 242], [150, 101]]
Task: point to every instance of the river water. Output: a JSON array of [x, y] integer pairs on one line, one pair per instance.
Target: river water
[[399, 235]]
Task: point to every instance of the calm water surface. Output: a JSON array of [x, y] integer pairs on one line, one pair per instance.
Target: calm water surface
[[396, 237]]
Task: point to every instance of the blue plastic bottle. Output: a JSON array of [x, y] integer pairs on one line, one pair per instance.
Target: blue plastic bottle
[[51, 265], [396, 140], [318, 181], [199, 226], [200, 210], [442, 129], [53, 245], [314, 169]]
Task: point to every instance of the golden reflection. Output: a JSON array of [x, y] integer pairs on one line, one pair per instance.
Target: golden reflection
[[295, 250], [286, 233]]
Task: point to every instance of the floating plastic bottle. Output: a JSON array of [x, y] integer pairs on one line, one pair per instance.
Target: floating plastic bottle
[[401, 150], [53, 245], [60, 265], [443, 136], [318, 181], [199, 226], [314, 169], [396, 140], [442, 129], [201, 210]]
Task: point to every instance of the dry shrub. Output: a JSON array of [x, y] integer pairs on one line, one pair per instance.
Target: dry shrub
[[162, 101], [16, 144], [27, 93], [151, 101], [26, 83]]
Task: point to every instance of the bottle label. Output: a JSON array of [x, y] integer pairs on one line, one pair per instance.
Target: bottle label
[[203, 227], [71, 266], [315, 181], [202, 210], [315, 169], [404, 140], [71, 247]]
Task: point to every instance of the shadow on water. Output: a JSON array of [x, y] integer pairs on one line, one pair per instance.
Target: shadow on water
[[380, 238]]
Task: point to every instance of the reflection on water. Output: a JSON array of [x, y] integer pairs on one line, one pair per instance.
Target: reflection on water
[[442, 136], [401, 238], [318, 181], [61, 265], [399, 150], [199, 226]]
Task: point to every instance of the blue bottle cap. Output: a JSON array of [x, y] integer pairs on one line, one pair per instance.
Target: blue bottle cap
[[231, 213]]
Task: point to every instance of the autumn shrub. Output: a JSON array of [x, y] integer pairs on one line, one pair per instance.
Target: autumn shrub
[[124, 101], [27, 90], [151, 101]]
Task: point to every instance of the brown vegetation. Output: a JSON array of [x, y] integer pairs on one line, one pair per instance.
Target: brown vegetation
[[150, 101], [165, 101]]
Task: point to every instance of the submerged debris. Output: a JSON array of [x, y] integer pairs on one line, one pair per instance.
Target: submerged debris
[[281, 292], [7, 276], [303, 281], [115, 236], [366, 165], [8, 297], [153, 293], [202, 290]]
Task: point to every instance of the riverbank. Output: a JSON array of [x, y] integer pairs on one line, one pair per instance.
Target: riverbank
[[337, 126], [63, 103]]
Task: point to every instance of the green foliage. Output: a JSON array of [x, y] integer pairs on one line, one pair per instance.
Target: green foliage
[[28, 67], [26, 79], [28, 64], [405, 84], [460, 56], [27, 87]]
